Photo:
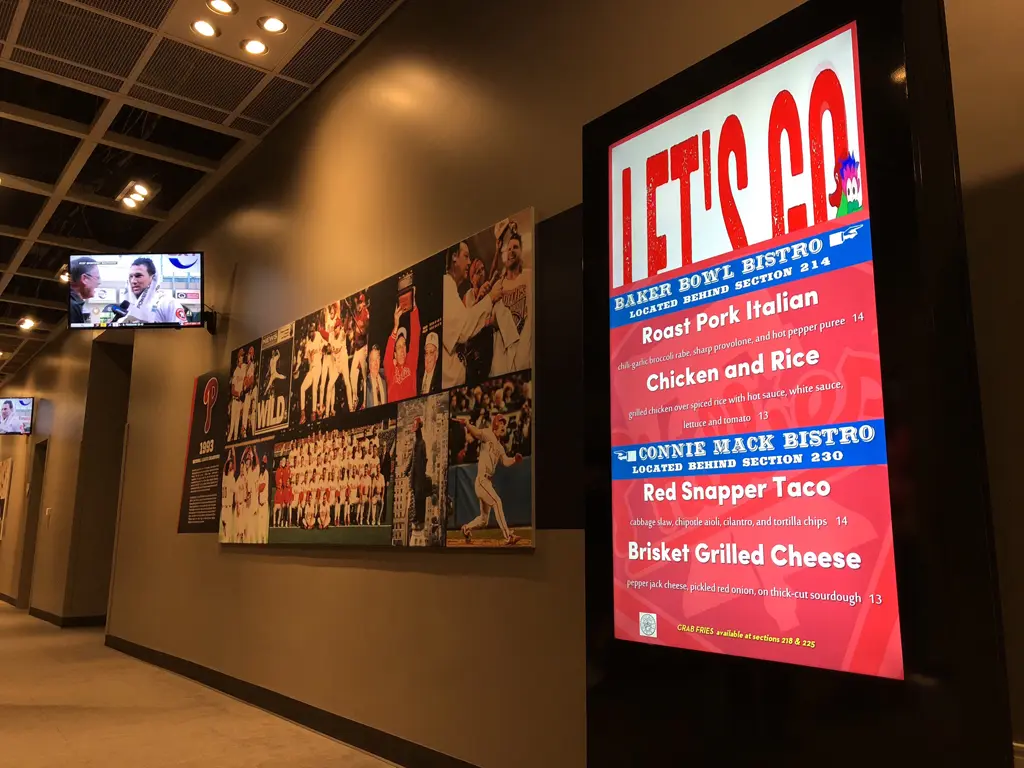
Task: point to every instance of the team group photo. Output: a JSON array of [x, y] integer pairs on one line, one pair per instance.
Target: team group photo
[[334, 486]]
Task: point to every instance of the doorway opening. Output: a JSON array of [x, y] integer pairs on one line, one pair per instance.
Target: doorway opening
[[35, 498]]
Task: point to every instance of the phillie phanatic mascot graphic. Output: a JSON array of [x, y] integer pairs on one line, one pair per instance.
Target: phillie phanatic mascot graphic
[[848, 196]]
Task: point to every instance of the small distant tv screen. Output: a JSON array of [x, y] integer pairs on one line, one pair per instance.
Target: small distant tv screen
[[16, 415], [136, 290]]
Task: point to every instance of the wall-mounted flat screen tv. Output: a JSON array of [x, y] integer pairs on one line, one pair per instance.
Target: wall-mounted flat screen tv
[[136, 290], [16, 415]]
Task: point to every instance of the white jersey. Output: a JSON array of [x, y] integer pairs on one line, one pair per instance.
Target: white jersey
[[11, 425], [160, 308], [314, 352], [461, 323], [338, 343], [263, 489], [250, 375], [263, 517], [491, 452], [513, 315], [227, 508], [238, 380]]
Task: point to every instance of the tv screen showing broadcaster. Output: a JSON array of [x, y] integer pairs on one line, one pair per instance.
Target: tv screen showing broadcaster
[[16, 415], [163, 290]]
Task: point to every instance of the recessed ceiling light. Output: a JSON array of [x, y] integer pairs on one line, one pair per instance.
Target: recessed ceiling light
[[223, 7], [204, 28], [129, 202], [25, 323], [272, 24], [136, 197], [255, 47], [141, 189], [65, 277]]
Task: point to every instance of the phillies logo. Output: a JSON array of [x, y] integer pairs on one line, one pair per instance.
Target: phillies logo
[[210, 392]]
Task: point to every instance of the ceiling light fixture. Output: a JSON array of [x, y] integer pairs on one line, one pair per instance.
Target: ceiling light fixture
[[26, 323], [64, 276], [254, 47], [223, 7], [272, 24], [136, 194], [205, 28]]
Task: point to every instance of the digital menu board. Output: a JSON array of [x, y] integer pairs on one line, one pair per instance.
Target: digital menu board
[[750, 490]]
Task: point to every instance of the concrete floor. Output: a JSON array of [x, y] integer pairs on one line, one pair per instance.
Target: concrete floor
[[68, 701]]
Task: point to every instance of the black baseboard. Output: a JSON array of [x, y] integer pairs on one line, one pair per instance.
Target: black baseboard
[[384, 745], [68, 622], [8, 599]]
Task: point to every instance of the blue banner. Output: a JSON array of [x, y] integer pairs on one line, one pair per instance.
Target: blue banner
[[855, 444], [842, 247]]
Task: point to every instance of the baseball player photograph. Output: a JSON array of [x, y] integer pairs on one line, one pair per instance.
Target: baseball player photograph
[[490, 446], [488, 303], [243, 392], [407, 310], [275, 382], [421, 472]]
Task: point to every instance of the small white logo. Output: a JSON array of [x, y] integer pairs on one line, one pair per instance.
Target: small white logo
[[648, 625], [626, 455], [838, 238]]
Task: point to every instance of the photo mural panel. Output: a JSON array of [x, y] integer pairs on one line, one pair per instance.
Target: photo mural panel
[[333, 481], [275, 380], [405, 333], [488, 302], [398, 416], [490, 475], [421, 475], [245, 493], [243, 392]]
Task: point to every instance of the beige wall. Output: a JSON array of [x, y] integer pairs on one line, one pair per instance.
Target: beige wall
[[99, 477], [455, 113], [58, 378]]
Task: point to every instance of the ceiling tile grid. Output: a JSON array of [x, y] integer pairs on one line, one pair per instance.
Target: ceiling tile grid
[[64, 69], [274, 100], [81, 36], [199, 75], [249, 126], [312, 8], [359, 16], [6, 16], [148, 12], [317, 56], [97, 93], [175, 104]]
